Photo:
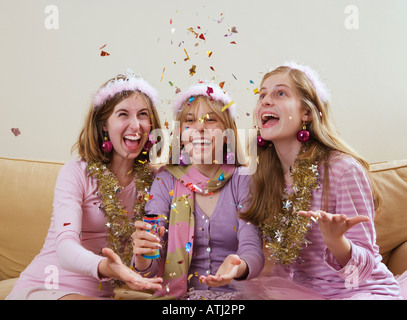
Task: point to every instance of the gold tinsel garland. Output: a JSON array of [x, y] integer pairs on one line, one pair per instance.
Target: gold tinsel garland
[[285, 233], [119, 221]]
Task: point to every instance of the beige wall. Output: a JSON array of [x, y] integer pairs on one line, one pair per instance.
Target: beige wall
[[48, 75]]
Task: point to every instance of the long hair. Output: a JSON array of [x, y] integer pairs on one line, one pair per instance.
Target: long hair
[[267, 183], [91, 135]]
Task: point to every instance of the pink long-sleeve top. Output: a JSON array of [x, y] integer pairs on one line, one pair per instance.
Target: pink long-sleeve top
[[350, 194], [71, 253]]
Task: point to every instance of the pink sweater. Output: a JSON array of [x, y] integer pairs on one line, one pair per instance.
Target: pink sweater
[[71, 253], [350, 194]]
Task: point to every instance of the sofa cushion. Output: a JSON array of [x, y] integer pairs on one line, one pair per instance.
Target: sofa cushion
[[398, 259], [26, 196], [391, 221]]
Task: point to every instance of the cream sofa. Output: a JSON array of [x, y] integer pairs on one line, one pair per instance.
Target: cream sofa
[[26, 195]]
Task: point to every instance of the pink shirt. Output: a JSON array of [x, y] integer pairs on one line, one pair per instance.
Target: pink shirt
[[350, 194], [71, 253]]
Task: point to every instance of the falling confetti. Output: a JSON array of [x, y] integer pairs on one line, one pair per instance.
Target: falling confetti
[[104, 54], [162, 75], [166, 124], [192, 71], [256, 91], [227, 106], [209, 53], [187, 58], [209, 90], [188, 247], [15, 131]]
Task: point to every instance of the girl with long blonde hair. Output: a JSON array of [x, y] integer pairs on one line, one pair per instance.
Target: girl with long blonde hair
[[313, 197]]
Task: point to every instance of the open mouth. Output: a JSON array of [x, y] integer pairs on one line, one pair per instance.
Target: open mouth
[[132, 141], [268, 119]]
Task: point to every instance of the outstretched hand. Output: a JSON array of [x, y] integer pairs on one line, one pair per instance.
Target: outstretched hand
[[227, 271], [333, 228], [113, 267]]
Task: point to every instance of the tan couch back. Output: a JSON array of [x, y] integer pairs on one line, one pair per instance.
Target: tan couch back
[[26, 196], [391, 222]]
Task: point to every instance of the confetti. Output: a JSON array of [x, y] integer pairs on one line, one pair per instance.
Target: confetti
[[15, 131], [192, 71], [104, 54], [171, 193], [187, 58], [102, 47], [222, 84], [201, 36], [227, 106], [162, 75], [233, 30], [209, 53], [189, 277], [234, 228], [202, 119], [221, 177], [188, 247], [192, 30], [212, 68], [66, 224], [191, 99], [166, 124], [251, 82], [209, 90], [256, 91], [233, 42]]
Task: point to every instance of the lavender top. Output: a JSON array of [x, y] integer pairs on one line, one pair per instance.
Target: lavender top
[[215, 237]]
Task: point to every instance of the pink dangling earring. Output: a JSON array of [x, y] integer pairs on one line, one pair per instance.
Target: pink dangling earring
[[303, 135], [261, 142], [107, 145]]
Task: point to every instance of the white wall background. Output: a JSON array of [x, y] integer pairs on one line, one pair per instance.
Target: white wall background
[[48, 76]]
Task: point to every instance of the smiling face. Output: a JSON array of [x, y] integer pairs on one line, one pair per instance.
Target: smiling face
[[203, 134], [279, 113], [128, 127]]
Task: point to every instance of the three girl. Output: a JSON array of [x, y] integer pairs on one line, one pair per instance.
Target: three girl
[[311, 196]]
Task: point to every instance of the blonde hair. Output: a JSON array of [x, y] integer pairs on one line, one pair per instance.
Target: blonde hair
[[91, 136], [268, 181], [225, 117]]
